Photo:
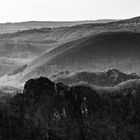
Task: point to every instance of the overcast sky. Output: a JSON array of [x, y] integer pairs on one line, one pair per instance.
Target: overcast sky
[[67, 10]]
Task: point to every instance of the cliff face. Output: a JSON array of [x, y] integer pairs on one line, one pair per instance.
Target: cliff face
[[51, 111]]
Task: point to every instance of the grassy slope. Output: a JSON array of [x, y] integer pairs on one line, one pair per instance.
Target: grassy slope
[[61, 39], [100, 52]]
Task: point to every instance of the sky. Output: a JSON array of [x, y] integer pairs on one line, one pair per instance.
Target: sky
[[67, 10]]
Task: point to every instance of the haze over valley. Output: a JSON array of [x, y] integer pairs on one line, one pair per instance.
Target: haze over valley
[[95, 46], [69, 80]]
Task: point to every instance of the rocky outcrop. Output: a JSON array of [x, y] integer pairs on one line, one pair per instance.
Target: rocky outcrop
[[37, 87], [108, 78]]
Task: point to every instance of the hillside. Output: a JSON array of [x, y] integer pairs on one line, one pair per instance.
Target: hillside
[[107, 78], [23, 46], [14, 27], [56, 44], [118, 50], [97, 52], [14, 54], [19, 26]]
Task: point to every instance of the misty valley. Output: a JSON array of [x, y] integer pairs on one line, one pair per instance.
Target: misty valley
[[70, 80]]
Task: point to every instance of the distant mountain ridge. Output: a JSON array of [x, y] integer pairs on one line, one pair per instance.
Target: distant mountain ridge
[[10, 27], [14, 27]]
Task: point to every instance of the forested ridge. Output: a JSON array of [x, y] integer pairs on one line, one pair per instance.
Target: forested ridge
[[53, 111]]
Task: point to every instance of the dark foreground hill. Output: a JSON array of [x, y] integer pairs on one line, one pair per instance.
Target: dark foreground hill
[[53, 111]]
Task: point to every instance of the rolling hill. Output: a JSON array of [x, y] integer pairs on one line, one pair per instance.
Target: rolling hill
[[97, 52], [94, 46]]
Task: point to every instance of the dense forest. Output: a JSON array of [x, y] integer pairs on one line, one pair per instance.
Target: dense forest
[[54, 111]]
